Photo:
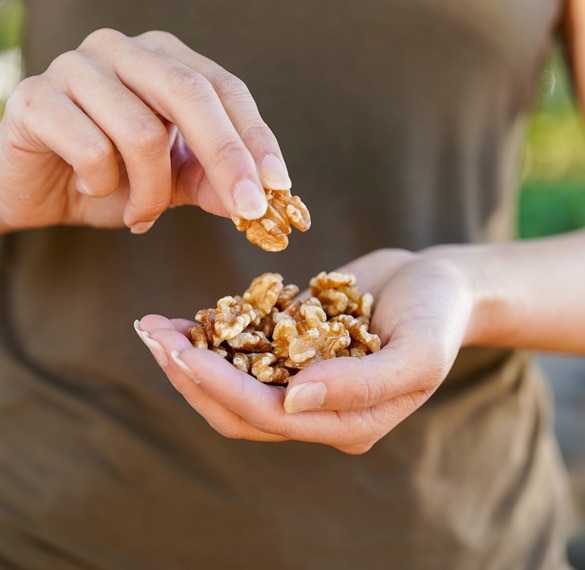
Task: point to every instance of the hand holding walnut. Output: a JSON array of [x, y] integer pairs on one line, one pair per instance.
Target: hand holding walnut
[[116, 131], [348, 402], [428, 305]]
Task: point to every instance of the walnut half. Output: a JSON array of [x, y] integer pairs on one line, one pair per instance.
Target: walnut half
[[270, 232]]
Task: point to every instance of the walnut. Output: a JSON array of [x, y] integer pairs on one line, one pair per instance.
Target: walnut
[[284, 332], [266, 369], [321, 342], [221, 351], [227, 320], [266, 324], [337, 292], [287, 295], [199, 336], [364, 308], [362, 341], [250, 341], [271, 334], [242, 361], [271, 230], [263, 293], [309, 340]]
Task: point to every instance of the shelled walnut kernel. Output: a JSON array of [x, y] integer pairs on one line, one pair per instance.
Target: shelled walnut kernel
[[271, 230], [271, 335]]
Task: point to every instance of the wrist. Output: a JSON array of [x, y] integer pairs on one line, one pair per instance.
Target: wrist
[[524, 294], [482, 284]]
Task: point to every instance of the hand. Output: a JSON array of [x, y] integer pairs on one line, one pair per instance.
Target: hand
[[118, 130], [422, 312]]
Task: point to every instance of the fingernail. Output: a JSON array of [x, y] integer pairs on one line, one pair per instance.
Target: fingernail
[[183, 366], [250, 199], [303, 397], [141, 227], [274, 173], [81, 186], [155, 347]]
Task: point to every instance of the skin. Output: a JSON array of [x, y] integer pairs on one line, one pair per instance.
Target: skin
[[121, 153], [428, 306]]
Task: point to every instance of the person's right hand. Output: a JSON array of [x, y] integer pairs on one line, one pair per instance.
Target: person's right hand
[[118, 130]]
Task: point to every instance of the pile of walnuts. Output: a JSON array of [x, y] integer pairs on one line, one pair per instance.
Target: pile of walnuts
[[271, 334]]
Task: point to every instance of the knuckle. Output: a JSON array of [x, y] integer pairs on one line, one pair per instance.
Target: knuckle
[[64, 63], [149, 138], [103, 37], [158, 37], [22, 97], [260, 133], [228, 85], [93, 155], [183, 82], [21, 111], [225, 151], [368, 392]]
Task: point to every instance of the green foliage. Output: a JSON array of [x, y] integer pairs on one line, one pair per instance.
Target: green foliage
[[11, 18], [552, 197]]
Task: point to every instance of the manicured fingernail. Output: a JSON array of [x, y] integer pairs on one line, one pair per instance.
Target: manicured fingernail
[[250, 199], [81, 186], [274, 173], [141, 227], [155, 347], [303, 397], [183, 366]]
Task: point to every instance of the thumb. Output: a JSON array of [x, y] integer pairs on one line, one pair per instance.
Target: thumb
[[351, 383]]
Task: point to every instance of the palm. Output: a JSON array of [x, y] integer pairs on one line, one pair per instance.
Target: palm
[[421, 313]]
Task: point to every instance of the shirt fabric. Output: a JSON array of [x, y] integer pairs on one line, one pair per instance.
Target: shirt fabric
[[400, 122]]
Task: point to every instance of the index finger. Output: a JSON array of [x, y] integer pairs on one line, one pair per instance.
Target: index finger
[[184, 96], [238, 103]]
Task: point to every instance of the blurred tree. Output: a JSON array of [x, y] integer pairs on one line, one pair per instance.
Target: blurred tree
[[11, 16], [552, 199]]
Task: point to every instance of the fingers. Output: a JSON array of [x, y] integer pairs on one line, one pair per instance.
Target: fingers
[[238, 104], [421, 315], [238, 406], [157, 332], [70, 133], [345, 384], [213, 117], [150, 114], [138, 134]]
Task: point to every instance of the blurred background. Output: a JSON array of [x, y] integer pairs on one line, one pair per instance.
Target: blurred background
[[551, 200]]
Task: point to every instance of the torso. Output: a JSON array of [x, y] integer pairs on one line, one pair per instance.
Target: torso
[[400, 123]]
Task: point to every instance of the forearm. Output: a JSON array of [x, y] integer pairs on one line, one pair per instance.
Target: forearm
[[527, 294]]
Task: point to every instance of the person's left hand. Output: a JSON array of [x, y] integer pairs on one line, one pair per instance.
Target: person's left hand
[[422, 313]]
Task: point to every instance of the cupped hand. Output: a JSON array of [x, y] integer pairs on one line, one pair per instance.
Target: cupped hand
[[118, 130], [422, 313]]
